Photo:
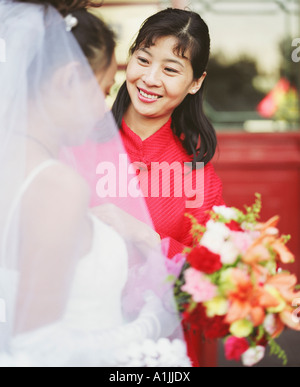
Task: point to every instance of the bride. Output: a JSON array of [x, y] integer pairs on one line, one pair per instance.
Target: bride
[[75, 292]]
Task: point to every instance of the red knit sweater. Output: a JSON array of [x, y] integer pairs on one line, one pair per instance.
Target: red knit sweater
[[168, 213]]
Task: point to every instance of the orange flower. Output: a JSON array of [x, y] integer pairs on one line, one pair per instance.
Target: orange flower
[[283, 253], [285, 284], [248, 300], [287, 319], [260, 273], [257, 252], [271, 223], [260, 251]]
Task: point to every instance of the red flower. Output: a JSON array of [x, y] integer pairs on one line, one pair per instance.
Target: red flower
[[212, 328], [216, 328], [204, 260], [193, 319], [235, 347], [234, 226]]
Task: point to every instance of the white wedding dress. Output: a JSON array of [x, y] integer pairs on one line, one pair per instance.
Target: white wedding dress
[[92, 331]]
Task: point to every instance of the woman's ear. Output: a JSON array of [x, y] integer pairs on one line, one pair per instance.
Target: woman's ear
[[196, 85]]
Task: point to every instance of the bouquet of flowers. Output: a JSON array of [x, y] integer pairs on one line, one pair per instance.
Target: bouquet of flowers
[[231, 284]]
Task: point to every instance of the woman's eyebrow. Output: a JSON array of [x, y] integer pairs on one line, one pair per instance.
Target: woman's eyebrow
[[174, 61], [145, 50], [167, 60]]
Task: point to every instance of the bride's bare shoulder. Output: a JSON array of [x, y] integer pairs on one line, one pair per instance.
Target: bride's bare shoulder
[[59, 182]]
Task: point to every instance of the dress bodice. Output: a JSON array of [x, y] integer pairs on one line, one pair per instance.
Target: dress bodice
[[98, 282]]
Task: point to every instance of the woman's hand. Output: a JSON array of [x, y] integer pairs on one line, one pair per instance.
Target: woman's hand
[[126, 225]]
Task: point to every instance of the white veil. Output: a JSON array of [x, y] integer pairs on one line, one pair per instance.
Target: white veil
[[50, 108]]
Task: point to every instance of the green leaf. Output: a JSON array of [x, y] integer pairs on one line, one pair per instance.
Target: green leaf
[[253, 212], [276, 350], [260, 334], [197, 229], [285, 238], [171, 278]]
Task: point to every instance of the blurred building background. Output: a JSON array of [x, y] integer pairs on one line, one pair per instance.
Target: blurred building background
[[252, 97]]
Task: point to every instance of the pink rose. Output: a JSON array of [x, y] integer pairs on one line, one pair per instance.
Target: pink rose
[[242, 240], [200, 288]]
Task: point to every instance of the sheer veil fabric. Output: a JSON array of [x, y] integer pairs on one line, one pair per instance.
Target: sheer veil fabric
[[73, 290]]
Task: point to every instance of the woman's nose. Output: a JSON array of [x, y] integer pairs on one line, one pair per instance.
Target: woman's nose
[[151, 77]]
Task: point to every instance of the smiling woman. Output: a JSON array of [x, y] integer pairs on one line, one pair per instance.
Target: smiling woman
[[158, 80]]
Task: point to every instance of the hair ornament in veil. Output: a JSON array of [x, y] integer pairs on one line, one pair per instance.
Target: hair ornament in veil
[[71, 22]]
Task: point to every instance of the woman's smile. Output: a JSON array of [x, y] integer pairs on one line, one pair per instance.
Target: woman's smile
[[147, 96]]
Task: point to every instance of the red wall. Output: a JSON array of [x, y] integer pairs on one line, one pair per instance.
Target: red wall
[[268, 164]]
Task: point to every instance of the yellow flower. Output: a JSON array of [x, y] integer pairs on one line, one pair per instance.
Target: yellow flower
[[226, 283], [275, 293], [241, 328], [218, 306]]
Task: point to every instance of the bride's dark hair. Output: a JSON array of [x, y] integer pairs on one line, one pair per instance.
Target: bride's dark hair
[[66, 6], [95, 38]]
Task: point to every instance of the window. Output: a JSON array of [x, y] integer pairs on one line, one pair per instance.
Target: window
[[253, 78]]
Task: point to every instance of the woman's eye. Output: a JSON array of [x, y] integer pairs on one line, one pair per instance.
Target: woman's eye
[[171, 70], [142, 60]]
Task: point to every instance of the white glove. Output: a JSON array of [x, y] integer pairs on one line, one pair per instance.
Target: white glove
[[163, 318]]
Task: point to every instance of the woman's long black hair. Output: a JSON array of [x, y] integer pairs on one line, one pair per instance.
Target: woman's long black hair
[[189, 122]]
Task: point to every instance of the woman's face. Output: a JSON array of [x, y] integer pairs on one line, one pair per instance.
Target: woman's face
[[95, 106], [158, 80], [106, 78], [73, 87]]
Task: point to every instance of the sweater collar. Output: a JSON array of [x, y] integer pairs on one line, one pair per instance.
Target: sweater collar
[[151, 147]]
